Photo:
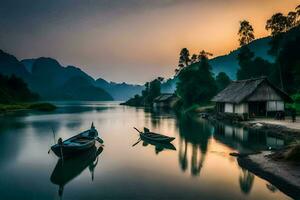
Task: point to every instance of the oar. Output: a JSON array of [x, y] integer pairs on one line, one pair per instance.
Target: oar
[[99, 140], [137, 130], [137, 142]]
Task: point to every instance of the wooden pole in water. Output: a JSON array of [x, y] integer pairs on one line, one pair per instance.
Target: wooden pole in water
[[60, 143]]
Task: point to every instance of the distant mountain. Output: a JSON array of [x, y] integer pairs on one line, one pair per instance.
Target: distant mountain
[[74, 87], [51, 80], [119, 91], [28, 63]]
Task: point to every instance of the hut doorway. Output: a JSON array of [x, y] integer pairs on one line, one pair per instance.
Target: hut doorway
[[258, 108]]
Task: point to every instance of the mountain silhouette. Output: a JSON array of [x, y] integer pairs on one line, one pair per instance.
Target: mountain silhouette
[[119, 91], [51, 80]]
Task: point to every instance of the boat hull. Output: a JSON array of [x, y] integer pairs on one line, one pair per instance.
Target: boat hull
[[66, 151], [150, 136]]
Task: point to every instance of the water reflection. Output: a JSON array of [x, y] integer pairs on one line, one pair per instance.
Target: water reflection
[[246, 141], [126, 173], [67, 170], [159, 147], [193, 135]]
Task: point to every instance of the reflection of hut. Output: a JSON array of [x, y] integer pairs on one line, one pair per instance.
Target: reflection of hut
[[275, 142], [252, 97], [238, 133], [164, 100]]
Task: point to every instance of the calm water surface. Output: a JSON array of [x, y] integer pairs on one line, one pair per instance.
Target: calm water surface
[[199, 168]]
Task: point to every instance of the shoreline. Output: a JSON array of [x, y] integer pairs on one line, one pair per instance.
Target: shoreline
[[283, 175], [275, 129], [16, 107]]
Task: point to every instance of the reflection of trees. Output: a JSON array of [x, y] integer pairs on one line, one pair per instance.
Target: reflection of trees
[[183, 154], [196, 162], [246, 180], [196, 135]]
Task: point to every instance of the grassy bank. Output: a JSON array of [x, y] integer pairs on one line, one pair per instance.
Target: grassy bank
[[26, 106]]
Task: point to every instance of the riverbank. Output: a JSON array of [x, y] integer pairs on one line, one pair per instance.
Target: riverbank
[[285, 175], [283, 128], [7, 108], [282, 173]]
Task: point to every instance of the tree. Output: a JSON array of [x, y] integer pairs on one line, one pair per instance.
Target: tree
[[222, 81], [250, 67], [194, 58], [14, 89], [297, 10], [291, 20], [203, 55], [245, 57], [152, 90], [246, 33], [277, 24], [289, 61], [184, 58], [196, 84]]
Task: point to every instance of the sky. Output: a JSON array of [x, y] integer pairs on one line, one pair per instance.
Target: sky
[[128, 40]]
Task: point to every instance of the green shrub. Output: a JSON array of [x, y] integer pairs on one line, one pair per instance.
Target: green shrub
[[296, 98]]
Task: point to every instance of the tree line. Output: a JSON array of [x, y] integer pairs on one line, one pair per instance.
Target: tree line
[[14, 89], [151, 91]]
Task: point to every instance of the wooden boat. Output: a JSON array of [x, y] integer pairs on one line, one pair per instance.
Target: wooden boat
[[147, 135], [76, 144]]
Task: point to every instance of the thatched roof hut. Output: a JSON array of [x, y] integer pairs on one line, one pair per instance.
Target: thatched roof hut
[[256, 97], [164, 100]]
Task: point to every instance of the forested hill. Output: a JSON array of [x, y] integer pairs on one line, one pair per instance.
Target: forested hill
[[14, 89], [229, 63]]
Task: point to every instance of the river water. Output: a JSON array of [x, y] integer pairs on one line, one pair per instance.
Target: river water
[[197, 166]]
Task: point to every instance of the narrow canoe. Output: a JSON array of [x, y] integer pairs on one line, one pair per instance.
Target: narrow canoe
[[154, 136]]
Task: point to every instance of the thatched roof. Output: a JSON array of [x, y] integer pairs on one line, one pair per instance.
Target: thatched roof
[[163, 97], [239, 91]]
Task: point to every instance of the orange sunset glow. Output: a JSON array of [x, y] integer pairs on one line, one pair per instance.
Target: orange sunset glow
[[113, 39]]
